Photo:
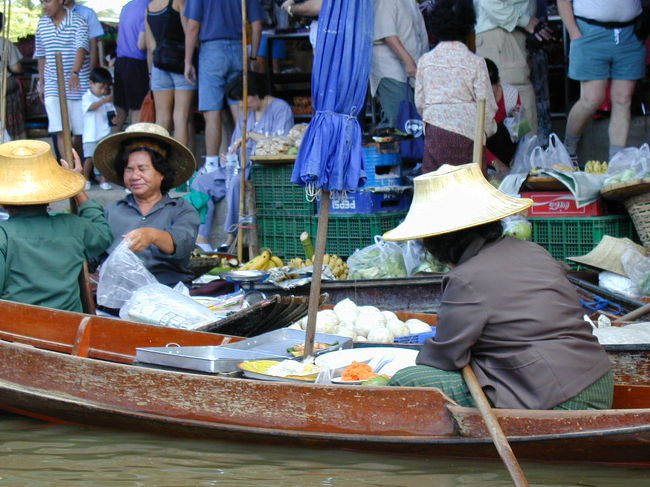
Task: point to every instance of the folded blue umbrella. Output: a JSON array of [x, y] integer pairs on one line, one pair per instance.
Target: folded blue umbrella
[[330, 155]]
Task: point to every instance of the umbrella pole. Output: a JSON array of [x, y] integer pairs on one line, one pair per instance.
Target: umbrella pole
[[244, 134], [4, 63], [478, 138], [314, 290]]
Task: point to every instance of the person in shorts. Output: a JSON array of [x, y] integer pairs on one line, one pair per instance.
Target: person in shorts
[[131, 71], [64, 31], [172, 93], [98, 113], [604, 47]]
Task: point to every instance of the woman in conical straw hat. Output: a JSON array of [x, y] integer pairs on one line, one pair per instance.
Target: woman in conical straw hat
[[507, 307], [41, 255], [161, 229]]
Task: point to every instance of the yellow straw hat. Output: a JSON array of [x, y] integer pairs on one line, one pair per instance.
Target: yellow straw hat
[[453, 198], [608, 253], [150, 134], [30, 175]]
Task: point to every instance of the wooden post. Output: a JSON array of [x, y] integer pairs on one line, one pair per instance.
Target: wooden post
[[314, 290], [244, 133]]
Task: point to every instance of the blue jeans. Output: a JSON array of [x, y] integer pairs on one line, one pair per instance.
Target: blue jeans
[[220, 61]]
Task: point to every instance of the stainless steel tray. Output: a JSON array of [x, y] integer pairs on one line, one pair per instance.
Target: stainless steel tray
[[277, 341], [209, 358]]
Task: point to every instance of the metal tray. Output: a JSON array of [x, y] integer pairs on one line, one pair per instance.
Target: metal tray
[[208, 358], [277, 341]]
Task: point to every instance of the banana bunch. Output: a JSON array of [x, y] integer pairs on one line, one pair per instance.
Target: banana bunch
[[264, 261], [562, 167], [337, 265], [596, 167]]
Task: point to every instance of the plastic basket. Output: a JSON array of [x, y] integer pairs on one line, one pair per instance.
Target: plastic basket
[[382, 163], [368, 201], [570, 236], [349, 232], [416, 337], [274, 191], [281, 233]]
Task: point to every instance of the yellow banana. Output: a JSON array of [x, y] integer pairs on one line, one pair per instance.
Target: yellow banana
[[277, 261]]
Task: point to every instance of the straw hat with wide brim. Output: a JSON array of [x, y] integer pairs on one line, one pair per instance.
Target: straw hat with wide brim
[[30, 175], [608, 253], [453, 198], [151, 134]]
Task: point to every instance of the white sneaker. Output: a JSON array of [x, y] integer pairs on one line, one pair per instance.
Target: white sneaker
[[87, 186], [106, 186]]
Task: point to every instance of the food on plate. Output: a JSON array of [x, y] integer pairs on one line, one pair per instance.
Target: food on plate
[[358, 371], [299, 348], [292, 368]]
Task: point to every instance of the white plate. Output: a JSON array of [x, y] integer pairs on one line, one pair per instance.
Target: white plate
[[402, 357], [338, 380]]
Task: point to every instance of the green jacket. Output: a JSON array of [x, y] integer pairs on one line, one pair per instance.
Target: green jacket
[[41, 255]]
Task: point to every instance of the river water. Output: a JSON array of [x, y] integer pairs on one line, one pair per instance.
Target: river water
[[37, 454]]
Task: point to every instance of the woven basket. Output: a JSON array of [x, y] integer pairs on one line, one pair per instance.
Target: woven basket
[[639, 209]]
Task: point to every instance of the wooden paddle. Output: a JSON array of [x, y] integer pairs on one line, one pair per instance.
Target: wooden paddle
[[496, 433], [84, 283], [634, 314]]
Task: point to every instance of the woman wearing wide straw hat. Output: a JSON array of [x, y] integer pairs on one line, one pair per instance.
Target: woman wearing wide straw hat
[[161, 229], [41, 255], [507, 307]]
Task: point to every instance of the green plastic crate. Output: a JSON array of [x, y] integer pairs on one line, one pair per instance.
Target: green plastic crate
[[274, 191], [281, 233], [572, 236], [349, 232]]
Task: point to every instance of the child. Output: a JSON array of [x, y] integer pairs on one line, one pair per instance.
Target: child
[[98, 112]]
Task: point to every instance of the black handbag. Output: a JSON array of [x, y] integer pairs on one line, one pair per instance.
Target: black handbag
[[169, 54]]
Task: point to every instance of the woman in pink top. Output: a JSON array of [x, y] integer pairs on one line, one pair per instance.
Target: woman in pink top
[[450, 79]]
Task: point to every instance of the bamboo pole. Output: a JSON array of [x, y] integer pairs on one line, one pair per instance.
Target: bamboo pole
[[244, 133], [4, 64]]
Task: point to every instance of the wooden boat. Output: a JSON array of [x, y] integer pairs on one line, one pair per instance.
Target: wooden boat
[[64, 366]]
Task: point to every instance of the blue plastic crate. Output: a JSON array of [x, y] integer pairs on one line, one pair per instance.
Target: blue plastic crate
[[418, 338], [368, 201], [382, 163]]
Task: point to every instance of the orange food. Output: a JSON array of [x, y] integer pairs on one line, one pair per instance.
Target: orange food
[[358, 371]]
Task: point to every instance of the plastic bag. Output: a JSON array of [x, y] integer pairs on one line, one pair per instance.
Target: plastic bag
[[380, 260], [637, 268], [517, 226], [158, 304], [556, 156], [618, 284], [517, 123], [521, 162], [627, 164], [417, 259], [120, 275]]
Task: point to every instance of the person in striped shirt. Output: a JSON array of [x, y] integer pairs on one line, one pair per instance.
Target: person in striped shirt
[[64, 31]]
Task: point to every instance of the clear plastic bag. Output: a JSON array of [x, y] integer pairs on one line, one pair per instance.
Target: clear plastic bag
[[517, 123], [380, 260], [637, 267], [627, 164], [158, 304], [521, 161], [417, 259], [556, 154], [120, 275]]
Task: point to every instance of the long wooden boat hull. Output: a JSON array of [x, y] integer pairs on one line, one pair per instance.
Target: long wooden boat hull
[[89, 378]]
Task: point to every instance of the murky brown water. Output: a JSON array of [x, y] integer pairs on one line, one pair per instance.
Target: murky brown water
[[34, 453]]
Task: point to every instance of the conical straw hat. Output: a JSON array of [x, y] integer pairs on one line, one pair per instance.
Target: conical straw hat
[[608, 253], [453, 198], [30, 175], [109, 148]]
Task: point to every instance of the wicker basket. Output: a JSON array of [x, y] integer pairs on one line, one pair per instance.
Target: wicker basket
[[639, 209]]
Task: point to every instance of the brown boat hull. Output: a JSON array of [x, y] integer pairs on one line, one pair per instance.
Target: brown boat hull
[[81, 372]]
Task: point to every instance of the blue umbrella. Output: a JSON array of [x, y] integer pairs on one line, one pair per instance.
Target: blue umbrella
[[330, 154]]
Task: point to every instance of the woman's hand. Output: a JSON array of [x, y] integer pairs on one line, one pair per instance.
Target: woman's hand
[[141, 238], [77, 163]]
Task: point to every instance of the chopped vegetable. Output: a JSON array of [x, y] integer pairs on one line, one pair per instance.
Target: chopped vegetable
[[358, 371], [299, 349]]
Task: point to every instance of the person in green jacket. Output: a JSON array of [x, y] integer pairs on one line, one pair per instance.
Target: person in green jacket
[[42, 254]]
